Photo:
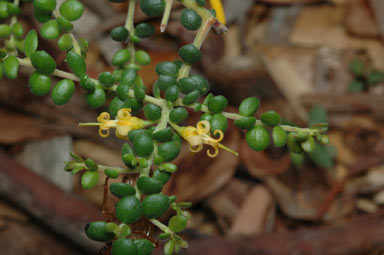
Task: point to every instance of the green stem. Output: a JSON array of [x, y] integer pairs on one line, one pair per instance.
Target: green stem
[[57, 72], [235, 116], [297, 129], [203, 12], [167, 12], [198, 42], [164, 117], [161, 226], [203, 32], [223, 147], [76, 46], [120, 170], [12, 37], [130, 16], [130, 27]]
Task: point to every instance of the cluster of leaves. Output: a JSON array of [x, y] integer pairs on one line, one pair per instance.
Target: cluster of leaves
[[323, 154], [151, 143], [364, 76]]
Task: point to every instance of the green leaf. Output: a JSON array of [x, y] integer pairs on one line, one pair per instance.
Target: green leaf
[[164, 235], [69, 165], [357, 67], [184, 205], [111, 227], [321, 127], [77, 169], [323, 156], [297, 160], [30, 43], [177, 223], [376, 77], [89, 179], [76, 157], [355, 86], [317, 114]]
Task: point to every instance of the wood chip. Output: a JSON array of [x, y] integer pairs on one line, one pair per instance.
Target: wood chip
[[359, 20], [366, 205], [47, 158], [256, 214], [226, 202]]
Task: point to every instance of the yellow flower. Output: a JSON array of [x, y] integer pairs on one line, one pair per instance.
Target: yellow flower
[[123, 123], [199, 135]]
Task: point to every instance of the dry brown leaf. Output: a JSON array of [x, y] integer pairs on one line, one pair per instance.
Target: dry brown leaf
[[256, 214]]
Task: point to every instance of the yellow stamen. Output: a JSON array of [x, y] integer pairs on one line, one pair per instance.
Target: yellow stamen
[[218, 7]]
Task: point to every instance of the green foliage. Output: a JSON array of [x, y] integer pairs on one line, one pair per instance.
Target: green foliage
[[119, 34], [151, 125], [129, 210], [155, 205], [65, 42], [50, 30], [39, 84], [148, 185], [5, 30], [143, 30], [124, 246], [11, 67], [121, 190], [178, 115], [217, 104], [249, 106], [43, 62], [121, 57], [144, 247], [258, 138], [190, 19], [270, 118], [62, 92], [190, 54], [44, 5], [71, 10], [89, 179], [97, 231], [76, 63], [218, 122], [279, 136], [153, 8]]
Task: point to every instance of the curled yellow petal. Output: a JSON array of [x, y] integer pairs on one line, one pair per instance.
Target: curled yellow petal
[[221, 136], [195, 149], [104, 132], [214, 154], [124, 114], [103, 117], [203, 127]]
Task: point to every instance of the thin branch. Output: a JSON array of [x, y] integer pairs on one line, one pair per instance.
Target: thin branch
[[57, 72]]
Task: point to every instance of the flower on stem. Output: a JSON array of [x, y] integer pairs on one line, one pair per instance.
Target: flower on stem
[[200, 135], [123, 123]]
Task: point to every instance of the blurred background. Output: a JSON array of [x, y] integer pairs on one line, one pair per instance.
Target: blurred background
[[310, 60]]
